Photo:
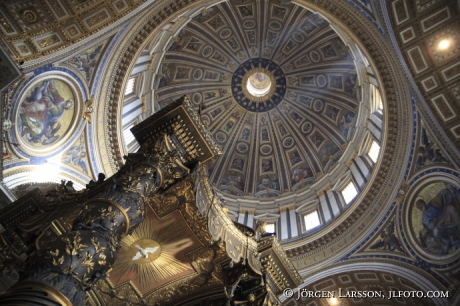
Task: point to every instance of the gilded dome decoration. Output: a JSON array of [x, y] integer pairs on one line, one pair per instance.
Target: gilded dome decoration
[[278, 88], [258, 85]]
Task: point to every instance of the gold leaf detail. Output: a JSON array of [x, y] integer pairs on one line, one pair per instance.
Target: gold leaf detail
[[57, 262], [68, 270], [97, 245], [88, 262]]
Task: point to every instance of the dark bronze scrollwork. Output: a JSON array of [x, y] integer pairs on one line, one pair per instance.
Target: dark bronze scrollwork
[[72, 262]]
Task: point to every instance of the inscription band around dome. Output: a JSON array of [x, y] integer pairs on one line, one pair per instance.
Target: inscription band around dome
[[266, 69]]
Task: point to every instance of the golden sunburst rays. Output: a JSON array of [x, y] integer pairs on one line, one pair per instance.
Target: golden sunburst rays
[[161, 263]]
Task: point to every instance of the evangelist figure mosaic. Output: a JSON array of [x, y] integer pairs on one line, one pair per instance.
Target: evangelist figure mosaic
[[435, 218], [46, 113]]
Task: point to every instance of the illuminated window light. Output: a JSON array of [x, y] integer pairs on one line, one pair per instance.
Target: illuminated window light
[[128, 135], [378, 98], [374, 151], [45, 173], [129, 87], [349, 192], [311, 220], [258, 84], [270, 228]]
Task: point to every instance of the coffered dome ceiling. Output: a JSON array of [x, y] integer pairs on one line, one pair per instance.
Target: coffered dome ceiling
[[276, 86]]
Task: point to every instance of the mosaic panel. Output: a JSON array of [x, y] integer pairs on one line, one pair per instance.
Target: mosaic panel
[[46, 115], [434, 212]]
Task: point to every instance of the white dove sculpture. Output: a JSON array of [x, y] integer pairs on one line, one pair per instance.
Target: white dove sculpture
[[143, 252]]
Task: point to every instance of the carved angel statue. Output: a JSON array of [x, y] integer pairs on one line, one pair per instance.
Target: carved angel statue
[[89, 109], [143, 253]]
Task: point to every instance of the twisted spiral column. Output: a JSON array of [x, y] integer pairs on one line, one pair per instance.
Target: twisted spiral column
[[74, 261]]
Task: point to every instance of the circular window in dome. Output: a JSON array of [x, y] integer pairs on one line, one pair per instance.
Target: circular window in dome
[[258, 84], [248, 24], [318, 105], [275, 25], [288, 142], [225, 33], [221, 137]]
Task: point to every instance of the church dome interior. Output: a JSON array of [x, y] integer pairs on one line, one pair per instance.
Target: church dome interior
[[336, 123], [284, 96]]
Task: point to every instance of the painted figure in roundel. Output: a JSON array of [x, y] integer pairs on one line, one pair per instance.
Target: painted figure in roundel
[[435, 218], [46, 113]]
